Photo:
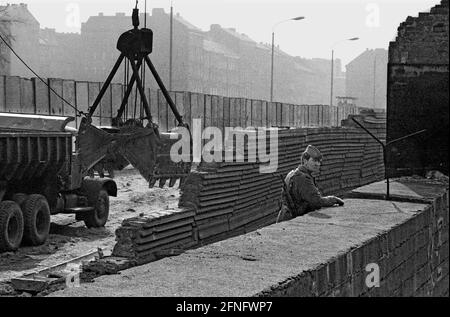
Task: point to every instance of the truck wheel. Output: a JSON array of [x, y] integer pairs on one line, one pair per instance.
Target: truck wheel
[[36, 217], [98, 217], [11, 226]]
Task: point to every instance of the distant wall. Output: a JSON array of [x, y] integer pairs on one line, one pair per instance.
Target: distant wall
[[22, 95]]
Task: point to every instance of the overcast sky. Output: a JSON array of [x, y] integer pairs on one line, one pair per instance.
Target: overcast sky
[[326, 22]]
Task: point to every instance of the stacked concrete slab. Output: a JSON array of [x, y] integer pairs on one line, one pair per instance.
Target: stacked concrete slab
[[228, 198], [141, 238]]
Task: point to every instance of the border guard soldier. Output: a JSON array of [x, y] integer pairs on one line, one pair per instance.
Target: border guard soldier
[[300, 192]]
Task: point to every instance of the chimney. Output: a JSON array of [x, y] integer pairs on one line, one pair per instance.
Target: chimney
[[215, 27], [158, 11]]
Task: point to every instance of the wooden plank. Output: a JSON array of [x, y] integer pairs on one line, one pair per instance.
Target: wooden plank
[[162, 112], [291, 115], [279, 114], [171, 120], [106, 107], [248, 113], [226, 112], [208, 112], [41, 97], [56, 104], [153, 100], [27, 104], [309, 115], [272, 113], [256, 113], [179, 102], [233, 112], [194, 107], [327, 115], [201, 108], [264, 114], [93, 90], [82, 94], [187, 107], [297, 115], [285, 115], [220, 113], [304, 116], [320, 115], [243, 112], [68, 93], [116, 98], [215, 111], [2, 94], [129, 109], [33, 284], [12, 93]]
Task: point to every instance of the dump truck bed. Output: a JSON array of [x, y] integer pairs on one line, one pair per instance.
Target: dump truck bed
[[27, 155]]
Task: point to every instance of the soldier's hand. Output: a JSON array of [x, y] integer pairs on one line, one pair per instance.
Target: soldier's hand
[[339, 201]]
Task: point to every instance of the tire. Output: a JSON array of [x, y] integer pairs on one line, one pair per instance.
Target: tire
[[11, 226], [99, 216], [36, 219]]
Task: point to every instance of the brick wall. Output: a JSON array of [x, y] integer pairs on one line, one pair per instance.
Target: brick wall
[[412, 257], [418, 79]]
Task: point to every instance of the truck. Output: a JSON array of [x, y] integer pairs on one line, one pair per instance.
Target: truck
[[40, 175]]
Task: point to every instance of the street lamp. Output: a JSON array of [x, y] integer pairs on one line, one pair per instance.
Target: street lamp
[[332, 64], [171, 46], [273, 41]]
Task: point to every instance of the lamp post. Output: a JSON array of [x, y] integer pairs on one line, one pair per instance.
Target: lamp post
[[171, 46], [332, 65], [273, 44], [374, 79]]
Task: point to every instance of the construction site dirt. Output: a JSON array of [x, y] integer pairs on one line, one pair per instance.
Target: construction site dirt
[[70, 239]]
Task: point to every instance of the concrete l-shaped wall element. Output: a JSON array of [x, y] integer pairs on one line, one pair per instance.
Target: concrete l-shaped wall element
[[368, 247]]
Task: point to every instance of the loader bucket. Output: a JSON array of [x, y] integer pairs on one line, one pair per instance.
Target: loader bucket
[[143, 147], [135, 144]]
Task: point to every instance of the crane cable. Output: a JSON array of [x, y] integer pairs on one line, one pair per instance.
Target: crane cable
[[80, 113]]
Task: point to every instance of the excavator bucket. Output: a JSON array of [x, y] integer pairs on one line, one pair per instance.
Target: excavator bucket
[[143, 147]]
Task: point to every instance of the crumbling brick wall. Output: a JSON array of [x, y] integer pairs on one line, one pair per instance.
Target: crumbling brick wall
[[418, 94]]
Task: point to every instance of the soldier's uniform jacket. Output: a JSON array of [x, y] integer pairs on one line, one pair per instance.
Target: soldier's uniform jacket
[[304, 192]]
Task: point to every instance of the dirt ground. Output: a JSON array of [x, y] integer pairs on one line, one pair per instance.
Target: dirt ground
[[70, 239]]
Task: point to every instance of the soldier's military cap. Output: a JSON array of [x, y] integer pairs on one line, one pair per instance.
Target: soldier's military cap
[[313, 152]]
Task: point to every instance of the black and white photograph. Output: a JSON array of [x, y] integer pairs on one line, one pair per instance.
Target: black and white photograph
[[223, 156]]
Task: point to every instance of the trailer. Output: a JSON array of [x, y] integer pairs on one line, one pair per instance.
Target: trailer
[[40, 175]]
